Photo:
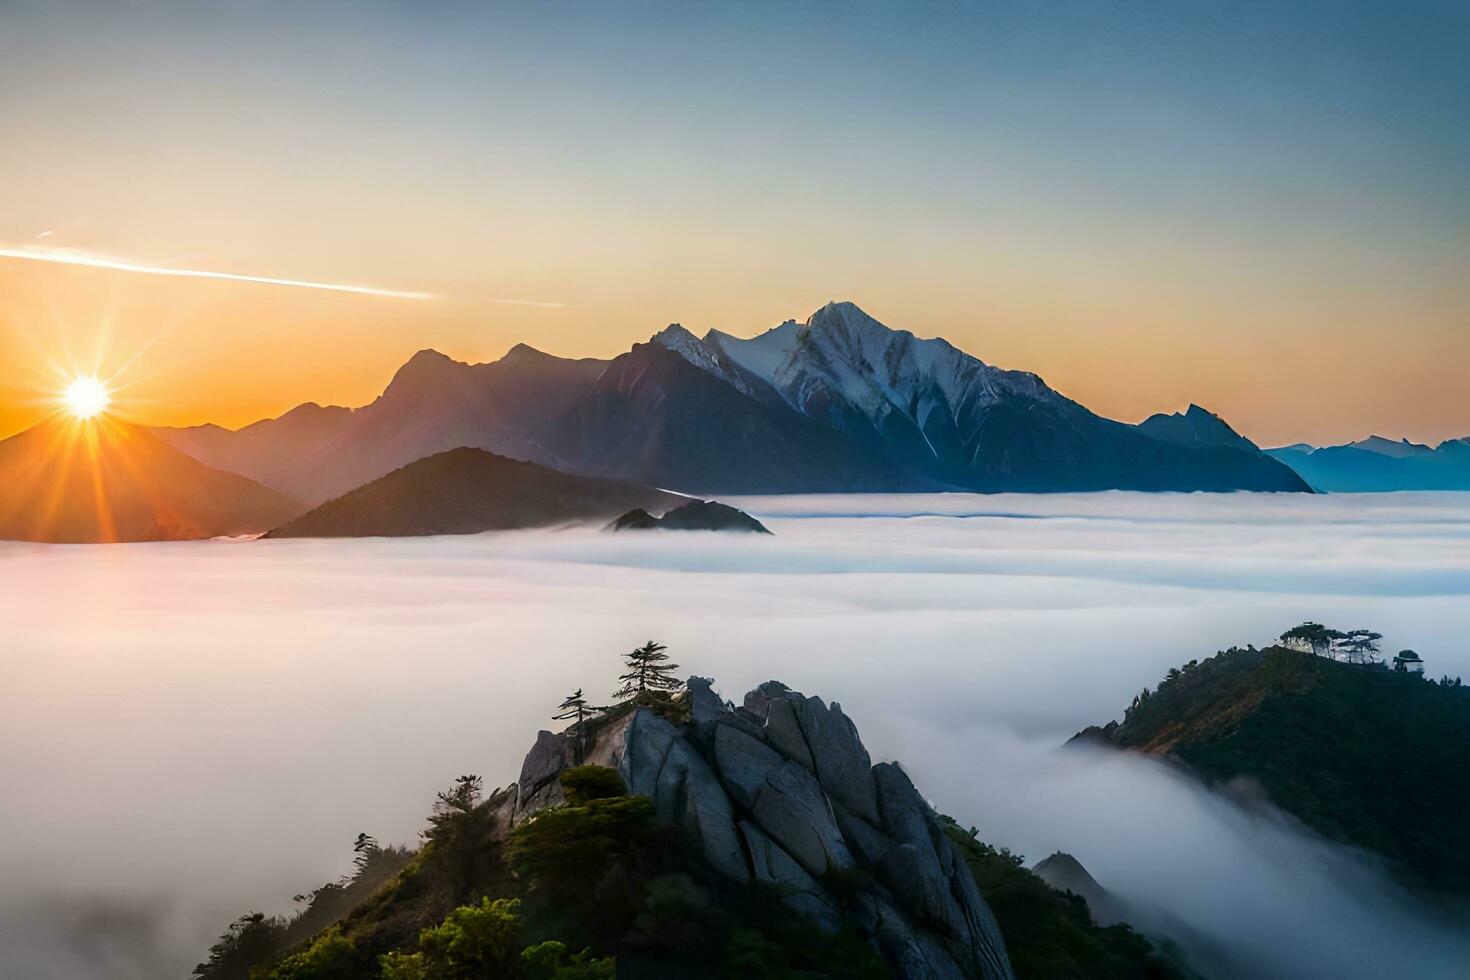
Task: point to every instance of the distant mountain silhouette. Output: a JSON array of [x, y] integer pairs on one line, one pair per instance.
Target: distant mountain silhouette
[[1379, 464], [697, 515], [841, 403], [433, 404], [106, 480], [465, 491]]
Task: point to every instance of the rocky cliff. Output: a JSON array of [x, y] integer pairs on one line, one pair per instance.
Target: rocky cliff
[[781, 791]]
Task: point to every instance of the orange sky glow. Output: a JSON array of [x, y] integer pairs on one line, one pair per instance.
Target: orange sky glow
[[1177, 212]]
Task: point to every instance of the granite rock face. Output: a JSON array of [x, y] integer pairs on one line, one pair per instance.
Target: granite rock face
[[781, 791]]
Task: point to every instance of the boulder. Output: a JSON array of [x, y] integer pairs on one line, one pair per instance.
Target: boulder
[[772, 866], [930, 879], [646, 741], [538, 786], [547, 758], [866, 841], [502, 810], [842, 763], [743, 761], [793, 810], [758, 700], [783, 731], [911, 952], [705, 706], [689, 795]]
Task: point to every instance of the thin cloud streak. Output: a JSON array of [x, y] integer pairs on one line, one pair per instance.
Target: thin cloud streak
[[531, 302], [124, 265]]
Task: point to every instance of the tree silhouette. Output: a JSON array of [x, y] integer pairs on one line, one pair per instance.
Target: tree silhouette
[[649, 672], [1407, 660], [453, 833], [366, 848], [576, 709], [1311, 638], [1360, 646]]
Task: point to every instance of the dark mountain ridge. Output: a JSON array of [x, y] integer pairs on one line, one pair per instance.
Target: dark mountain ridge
[[1366, 756], [466, 491], [839, 404], [1195, 426]]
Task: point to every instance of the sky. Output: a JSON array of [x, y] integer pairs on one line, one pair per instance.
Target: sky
[[1263, 208]]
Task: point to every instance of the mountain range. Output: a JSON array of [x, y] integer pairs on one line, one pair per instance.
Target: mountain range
[[1379, 464], [836, 404]]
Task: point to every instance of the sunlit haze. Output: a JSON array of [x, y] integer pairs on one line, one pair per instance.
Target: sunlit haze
[[1261, 208]]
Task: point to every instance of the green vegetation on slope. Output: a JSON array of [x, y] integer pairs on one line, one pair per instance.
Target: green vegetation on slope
[[582, 887], [1367, 756], [599, 885]]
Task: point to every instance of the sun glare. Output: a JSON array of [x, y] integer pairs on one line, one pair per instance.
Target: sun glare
[[85, 398]]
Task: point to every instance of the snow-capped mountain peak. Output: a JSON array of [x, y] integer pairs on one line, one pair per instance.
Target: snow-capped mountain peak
[[844, 368], [930, 406]]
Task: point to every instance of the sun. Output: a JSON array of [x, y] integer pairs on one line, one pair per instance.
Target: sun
[[85, 397]]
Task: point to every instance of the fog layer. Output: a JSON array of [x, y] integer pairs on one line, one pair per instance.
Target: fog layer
[[194, 730]]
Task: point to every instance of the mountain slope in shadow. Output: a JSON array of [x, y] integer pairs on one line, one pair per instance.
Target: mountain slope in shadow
[[466, 491]]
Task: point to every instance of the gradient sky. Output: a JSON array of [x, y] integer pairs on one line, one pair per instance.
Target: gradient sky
[[1260, 207]]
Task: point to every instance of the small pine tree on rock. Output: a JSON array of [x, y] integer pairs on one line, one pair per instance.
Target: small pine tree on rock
[[649, 672], [576, 710]]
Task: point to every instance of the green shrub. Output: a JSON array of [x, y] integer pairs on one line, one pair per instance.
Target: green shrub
[[474, 941], [583, 784], [332, 956], [551, 961]]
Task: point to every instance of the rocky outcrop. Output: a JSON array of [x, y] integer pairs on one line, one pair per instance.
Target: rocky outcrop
[[697, 515], [780, 791]]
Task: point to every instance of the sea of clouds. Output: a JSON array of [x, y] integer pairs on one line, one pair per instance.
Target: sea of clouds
[[195, 730]]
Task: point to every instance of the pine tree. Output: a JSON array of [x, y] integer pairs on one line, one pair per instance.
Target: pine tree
[[576, 709], [365, 848], [455, 833], [1361, 646], [648, 673]]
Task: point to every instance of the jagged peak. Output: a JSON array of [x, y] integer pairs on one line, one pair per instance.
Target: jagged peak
[[674, 333], [845, 314]]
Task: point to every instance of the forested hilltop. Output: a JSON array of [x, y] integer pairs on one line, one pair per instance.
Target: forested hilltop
[[675, 834], [1365, 753]]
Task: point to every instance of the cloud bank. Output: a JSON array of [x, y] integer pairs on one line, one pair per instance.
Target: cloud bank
[[195, 730]]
